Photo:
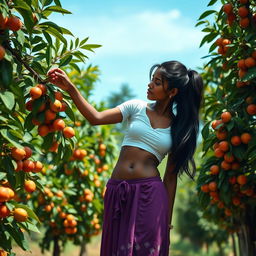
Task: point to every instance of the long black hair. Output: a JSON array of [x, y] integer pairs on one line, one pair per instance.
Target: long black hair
[[185, 124]]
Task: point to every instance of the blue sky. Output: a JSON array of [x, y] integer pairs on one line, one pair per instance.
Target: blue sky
[[135, 35]]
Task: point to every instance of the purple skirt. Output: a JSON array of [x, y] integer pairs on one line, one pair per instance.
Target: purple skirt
[[135, 220]]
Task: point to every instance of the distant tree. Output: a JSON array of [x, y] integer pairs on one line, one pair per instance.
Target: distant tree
[[119, 97]]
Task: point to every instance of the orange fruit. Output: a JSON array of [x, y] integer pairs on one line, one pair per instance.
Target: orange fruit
[[28, 151], [224, 146], [215, 145], [3, 21], [246, 137], [249, 100], [231, 18], [215, 123], [42, 87], [228, 212], [219, 41], [58, 95], [4, 211], [225, 165], [14, 23], [240, 84], [20, 214], [241, 64], [4, 194], [102, 146], [63, 106], [35, 92], [227, 8], [213, 186], [83, 153], [229, 158], [28, 166], [18, 153], [48, 208], [70, 217], [243, 11], [226, 42], [241, 73], [19, 165], [226, 117], [29, 105], [232, 180], [30, 186], [243, 1], [220, 205], [235, 140], [241, 179], [2, 52], [56, 106], [35, 122], [72, 223], [76, 153], [58, 124], [49, 115], [250, 62], [68, 132], [38, 166], [236, 200], [221, 134], [43, 130], [221, 50], [244, 22], [251, 109]]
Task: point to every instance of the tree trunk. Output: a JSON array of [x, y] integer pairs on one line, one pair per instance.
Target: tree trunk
[[247, 232], [56, 246], [234, 244], [83, 250]]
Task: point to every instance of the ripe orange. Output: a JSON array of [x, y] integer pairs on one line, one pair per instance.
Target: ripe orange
[[70, 217], [29, 105], [14, 23], [232, 180], [241, 64], [58, 124], [229, 158], [243, 11], [250, 62], [251, 109], [2, 52], [49, 115], [58, 95], [38, 166], [68, 132], [224, 146], [35, 92], [102, 146], [243, 1], [228, 212], [20, 214], [240, 84], [212, 186], [241, 73], [4, 194], [221, 134], [4, 211], [236, 200], [236, 140], [42, 87], [19, 165], [220, 205], [43, 130], [35, 122], [226, 117], [231, 18], [83, 153], [227, 8], [226, 42], [63, 106], [56, 106], [219, 41], [241, 179], [30, 186], [225, 165], [18, 153], [3, 21], [28, 166], [244, 22], [246, 137], [215, 123], [28, 151]]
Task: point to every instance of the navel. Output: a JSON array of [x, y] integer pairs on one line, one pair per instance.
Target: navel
[[132, 165]]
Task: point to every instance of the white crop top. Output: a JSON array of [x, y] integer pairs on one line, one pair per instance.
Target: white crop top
[[140, 133]]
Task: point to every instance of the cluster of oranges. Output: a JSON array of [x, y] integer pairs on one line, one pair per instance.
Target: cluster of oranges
[[70, 224], [13, 23], [21, 157], [222, 44], [78, 154], [87, 196], [243, 66], [49, 111], [251, 107], [242, 12]]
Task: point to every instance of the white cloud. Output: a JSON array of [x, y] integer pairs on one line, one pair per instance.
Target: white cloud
[[147, 32]]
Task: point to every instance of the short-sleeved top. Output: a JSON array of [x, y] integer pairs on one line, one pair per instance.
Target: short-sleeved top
[[140, 133]]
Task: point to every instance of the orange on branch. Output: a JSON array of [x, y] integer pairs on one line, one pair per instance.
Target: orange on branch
[[243, 11], [225, 165], [2, 52], [59, 124], [38, 166], [28, 166], [236, 140], [224, 146], [229, 157], [212, 186], [244, 22], [226, 117], [18, 153], [35, 93], [241, 179], [227, 8], [4, 211], [43, 130], [250, 62], [4, 194], [30, 186], [68, 132], [56, 106], [246, 138], [20, 214], [43, 88], [28, 151], [14, 23], [251, 109]]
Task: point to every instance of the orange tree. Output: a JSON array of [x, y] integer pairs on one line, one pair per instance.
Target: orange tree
[[71, 205], [226, 184], [30, 45]]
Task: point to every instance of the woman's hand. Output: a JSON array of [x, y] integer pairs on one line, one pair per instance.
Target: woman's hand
[[59, 77]]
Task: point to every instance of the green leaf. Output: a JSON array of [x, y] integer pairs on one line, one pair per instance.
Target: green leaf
[[48, 55], [66, 31], [20, 4], [64, 61], [212, 2], [56, 34], [47, 37], [83, 41], [28, 125], [39, 47], [70, 113], [90, 46], [2, 175], [205, 130], [57, 9], [5, 77], [13, 140], [8, 99], [30, 226], [206, 13]]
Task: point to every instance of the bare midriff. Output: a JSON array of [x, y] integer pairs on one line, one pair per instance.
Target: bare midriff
[[135, 163]]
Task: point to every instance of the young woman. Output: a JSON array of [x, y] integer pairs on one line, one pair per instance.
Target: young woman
[[137, 203]]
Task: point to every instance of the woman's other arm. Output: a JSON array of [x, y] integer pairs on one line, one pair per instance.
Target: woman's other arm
[[170, 182]]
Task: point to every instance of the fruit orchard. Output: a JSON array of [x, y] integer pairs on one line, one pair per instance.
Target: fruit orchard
[[227, 181], [53, 164]]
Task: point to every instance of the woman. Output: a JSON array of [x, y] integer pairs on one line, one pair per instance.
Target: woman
[[137, 203]]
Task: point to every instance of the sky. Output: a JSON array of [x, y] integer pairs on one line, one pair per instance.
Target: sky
[[134, 36]]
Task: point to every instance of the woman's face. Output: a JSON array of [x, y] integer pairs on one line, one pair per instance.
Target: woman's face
[[157, 88]]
